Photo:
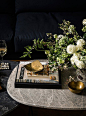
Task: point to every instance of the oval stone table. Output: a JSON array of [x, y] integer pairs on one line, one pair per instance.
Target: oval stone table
[[61, 99]]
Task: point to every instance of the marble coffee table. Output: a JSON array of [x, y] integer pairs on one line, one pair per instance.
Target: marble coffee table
[[61, 99]]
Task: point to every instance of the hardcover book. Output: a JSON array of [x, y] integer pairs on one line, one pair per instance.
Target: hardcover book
[[44, 78]]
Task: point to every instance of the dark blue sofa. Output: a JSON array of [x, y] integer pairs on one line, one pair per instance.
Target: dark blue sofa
[[21, 21]]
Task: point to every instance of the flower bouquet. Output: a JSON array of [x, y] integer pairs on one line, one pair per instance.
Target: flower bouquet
[[64, 50]]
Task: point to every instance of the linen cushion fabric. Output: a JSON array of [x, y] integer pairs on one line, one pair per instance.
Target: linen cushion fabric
[[7, 23], [7, 6], [31, 26], [37, 5], [49, 6], [75, 18]]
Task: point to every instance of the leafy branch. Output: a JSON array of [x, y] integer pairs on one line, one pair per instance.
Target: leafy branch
[[56, 46]]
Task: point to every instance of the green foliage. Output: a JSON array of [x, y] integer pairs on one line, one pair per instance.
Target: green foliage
[[84, 29], [57, 46]]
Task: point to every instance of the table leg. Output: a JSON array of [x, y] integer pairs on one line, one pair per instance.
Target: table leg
[[30, 111]]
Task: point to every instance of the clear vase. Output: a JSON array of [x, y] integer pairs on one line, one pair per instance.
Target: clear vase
[[81, 75], [65, 76]]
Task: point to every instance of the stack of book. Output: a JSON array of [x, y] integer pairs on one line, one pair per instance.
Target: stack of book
[[44, 78]]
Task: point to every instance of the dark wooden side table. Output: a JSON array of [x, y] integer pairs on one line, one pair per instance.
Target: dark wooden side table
[[7, 104]]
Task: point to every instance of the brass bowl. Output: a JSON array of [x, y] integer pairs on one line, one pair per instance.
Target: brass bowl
[[35, 66], [76, 87]]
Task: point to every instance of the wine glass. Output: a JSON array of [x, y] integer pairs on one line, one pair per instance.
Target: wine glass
[[3, 49]]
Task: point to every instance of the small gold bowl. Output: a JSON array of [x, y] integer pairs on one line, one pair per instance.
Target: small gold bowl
[[76, 87]]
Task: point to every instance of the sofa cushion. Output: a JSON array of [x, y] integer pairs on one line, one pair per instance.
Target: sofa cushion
[[31, 26], [49, 5], [6, 29], [7, 6], [75, 18]]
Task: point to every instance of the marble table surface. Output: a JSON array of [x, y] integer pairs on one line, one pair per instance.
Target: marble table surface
[[7, 104], [61, 99]]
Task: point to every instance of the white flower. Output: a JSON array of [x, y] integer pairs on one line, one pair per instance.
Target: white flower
[[76, 55], [75, 58], [47, 52], [80, 64], [53, 68], [49, 55], [57, 58], [71, 28], [62, 41], [83, 58], [48, 34], [71, 49], [79, 48], [60, 60], [80, 43], [72, 60], [55, 36], [53, 56], [60, 36], [84, 22]]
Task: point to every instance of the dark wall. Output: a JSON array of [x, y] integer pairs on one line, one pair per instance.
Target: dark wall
[[7, 6]]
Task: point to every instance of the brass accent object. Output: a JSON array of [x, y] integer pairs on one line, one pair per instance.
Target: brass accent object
[[76, 87], [0, 88], [35, 66], [52, 77]]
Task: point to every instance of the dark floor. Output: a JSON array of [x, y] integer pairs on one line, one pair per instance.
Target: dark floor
[[23, 110]]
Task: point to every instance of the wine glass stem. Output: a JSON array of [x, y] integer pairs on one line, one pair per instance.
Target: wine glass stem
[[2, 59]]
